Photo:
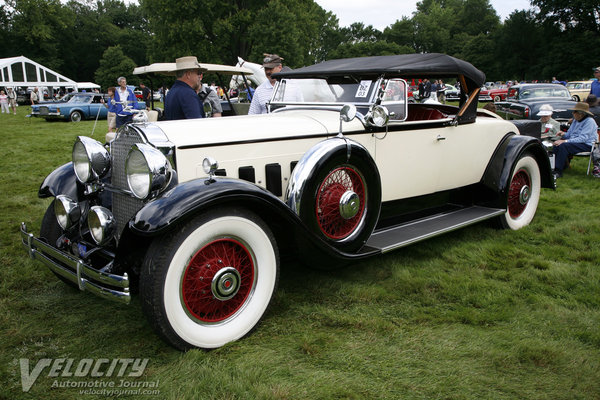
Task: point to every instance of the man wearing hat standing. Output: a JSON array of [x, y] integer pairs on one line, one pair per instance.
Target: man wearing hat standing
[[272, 65], [595, 90], [182, 101], [581, 135]]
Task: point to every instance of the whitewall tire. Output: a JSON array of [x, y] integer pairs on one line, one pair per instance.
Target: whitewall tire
[[523, 194], [211, 282]]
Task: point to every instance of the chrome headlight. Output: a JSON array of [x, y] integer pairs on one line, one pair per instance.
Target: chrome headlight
[[67, 211], [148, 170], [380, 116], [90, 159], [102, 224]]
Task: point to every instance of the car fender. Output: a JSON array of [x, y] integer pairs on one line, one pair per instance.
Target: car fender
[[187, 199], [61, 181], [500, 167]]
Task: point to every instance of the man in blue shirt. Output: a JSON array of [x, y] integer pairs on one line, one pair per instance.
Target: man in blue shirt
[[124, 98], [182, 101], [595, 90], [581, 135]]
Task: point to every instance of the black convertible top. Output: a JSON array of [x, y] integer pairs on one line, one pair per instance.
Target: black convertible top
[[404, 65]]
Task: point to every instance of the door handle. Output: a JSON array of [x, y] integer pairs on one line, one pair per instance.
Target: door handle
[[440, 137]]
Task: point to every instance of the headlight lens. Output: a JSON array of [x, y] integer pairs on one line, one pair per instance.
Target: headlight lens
[[102, 224], [67, 211], [380, 116], [90, 159], [148, 170]]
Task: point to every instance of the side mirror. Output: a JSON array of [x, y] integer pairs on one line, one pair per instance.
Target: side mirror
[[347, 114]]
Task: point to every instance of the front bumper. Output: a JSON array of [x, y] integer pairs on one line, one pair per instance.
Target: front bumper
[[100, 283]]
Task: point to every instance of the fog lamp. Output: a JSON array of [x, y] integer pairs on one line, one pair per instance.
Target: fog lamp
[[102, 224], [67, 211]]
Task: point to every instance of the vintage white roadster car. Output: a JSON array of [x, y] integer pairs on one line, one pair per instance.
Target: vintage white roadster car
[[195, 213]]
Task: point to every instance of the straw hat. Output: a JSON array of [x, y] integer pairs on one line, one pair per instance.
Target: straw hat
[[188, 62], [583, 107], [545, 111]]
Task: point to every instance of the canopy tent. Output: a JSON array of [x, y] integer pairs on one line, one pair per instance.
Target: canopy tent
[[23, 72]]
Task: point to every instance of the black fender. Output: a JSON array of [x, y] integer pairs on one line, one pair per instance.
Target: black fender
[[190, 198], [61, 181], [500, 168]]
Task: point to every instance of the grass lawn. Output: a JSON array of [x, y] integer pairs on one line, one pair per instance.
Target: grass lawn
[[476, 314]]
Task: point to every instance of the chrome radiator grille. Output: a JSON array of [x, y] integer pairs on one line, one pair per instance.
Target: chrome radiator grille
[[123, 206], [43, 110]]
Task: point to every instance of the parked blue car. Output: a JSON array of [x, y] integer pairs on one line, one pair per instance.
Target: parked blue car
[[79, 106]]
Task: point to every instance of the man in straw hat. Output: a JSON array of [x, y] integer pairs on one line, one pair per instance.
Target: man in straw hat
[[272, 65], [581, 135], [182, 102]]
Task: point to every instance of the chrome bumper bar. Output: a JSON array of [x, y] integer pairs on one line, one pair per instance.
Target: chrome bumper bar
[[75, 270]]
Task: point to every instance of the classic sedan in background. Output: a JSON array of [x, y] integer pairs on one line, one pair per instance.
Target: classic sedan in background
[[524, 101], [79, 106], [494, 94], [342, 168], [579, 89]]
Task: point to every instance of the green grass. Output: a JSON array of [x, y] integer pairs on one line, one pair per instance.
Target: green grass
[[476, 314]]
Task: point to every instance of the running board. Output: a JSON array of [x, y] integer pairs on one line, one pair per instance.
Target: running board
[[414, 231]]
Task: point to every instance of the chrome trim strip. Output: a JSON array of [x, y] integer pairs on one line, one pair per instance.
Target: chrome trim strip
[[76, 270]]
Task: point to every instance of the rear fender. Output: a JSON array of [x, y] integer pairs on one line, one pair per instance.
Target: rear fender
[[500, 168]]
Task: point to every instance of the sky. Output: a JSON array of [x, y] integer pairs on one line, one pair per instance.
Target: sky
[[383, 13]]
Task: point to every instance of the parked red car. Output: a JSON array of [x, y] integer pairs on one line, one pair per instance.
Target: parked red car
[[493, 94]]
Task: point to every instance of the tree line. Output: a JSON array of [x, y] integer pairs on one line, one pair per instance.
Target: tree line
[[100, 40]]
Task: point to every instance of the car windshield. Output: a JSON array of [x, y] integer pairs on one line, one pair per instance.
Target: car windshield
[[80, 98], [320, 91], [540, 92]]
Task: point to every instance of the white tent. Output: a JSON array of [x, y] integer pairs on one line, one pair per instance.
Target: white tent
[[23, 72]]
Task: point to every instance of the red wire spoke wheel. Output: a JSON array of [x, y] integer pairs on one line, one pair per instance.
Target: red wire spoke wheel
[[519, 193], [218, 280], [341, 186]]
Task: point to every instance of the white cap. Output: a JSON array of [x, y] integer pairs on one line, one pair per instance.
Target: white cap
[[545, 110]]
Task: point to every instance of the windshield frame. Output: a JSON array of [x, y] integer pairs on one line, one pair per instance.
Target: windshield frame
[[371, 97]]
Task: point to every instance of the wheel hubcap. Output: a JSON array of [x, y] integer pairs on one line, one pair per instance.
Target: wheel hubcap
[[217, 281], [349, 204], [226, 283], [524, 195]]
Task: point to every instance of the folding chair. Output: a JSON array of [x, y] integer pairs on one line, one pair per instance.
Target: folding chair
[[590, 153]]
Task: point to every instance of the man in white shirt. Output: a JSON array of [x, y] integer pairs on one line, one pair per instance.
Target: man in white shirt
[[272, 65]]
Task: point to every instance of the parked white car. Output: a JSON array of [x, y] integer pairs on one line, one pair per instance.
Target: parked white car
[[342, 168]]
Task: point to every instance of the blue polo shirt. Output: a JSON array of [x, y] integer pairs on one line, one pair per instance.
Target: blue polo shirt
[[595, 88], [182, 102]]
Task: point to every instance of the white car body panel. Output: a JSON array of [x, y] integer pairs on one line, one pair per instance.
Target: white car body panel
[[438, 165]]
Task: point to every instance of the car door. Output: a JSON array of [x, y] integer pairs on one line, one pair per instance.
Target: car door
[[409, 161], [465, 151], [96, 108]]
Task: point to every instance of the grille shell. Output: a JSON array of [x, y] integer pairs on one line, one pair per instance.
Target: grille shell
[[124, 207]]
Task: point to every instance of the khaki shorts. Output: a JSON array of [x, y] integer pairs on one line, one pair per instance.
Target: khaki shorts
[[111, 118]]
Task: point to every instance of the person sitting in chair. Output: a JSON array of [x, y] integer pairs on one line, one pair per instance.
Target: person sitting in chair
[[581, 135]]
